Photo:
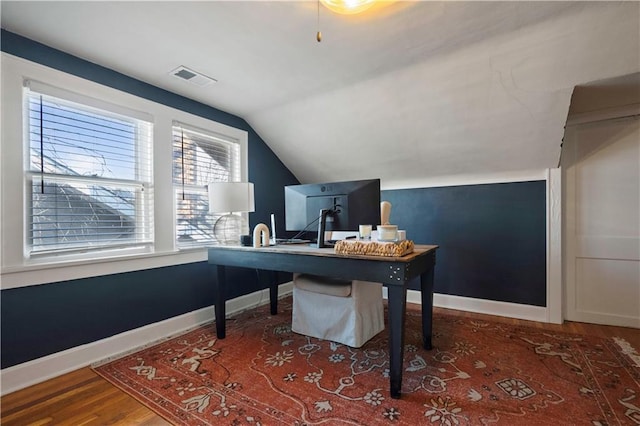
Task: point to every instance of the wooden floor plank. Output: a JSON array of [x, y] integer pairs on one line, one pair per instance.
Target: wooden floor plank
[[79, 397], [82, 397]]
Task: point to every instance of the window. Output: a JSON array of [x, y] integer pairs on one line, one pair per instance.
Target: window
[[200, 157], [89, 184], [88, 174]]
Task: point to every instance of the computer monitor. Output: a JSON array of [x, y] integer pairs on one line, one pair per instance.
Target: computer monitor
[[334, 206]]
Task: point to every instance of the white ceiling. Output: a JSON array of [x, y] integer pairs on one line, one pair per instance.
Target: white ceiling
[[411, 92]]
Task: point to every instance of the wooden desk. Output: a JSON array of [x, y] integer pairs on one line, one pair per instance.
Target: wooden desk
[[393, 272]]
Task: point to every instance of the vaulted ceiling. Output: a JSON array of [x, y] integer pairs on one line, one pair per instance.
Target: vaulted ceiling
[[410, 92]]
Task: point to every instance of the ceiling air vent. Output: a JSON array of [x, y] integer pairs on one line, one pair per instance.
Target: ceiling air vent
[[186, 74]]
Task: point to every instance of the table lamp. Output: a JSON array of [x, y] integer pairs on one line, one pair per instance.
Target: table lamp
[[230, 197]]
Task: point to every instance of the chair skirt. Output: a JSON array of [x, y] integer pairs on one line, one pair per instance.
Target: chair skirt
[[351, 320]]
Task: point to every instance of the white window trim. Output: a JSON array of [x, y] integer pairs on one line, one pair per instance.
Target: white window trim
[[16, 269], [236, 176], [144, 147]]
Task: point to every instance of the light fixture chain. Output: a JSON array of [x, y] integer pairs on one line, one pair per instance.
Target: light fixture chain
[[319, 34]]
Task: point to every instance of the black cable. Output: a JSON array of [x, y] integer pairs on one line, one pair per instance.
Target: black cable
[[299, 234], [41, 150], [334, 209], [182, 158]]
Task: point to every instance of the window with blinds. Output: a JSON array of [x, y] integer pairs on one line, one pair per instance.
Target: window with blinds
[[200, 157], [89, 175]]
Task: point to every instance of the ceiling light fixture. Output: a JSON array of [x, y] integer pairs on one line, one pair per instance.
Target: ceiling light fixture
[[343, 7], [348, 7]]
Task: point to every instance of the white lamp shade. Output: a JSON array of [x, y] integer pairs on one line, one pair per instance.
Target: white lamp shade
[[231, 197]]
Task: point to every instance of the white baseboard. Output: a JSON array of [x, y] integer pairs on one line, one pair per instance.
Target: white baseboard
[[490, 307], [29, 373], [482, 306], [38, 370]]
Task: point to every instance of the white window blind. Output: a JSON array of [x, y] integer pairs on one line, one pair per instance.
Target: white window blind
[[200, 157], [89, 176]]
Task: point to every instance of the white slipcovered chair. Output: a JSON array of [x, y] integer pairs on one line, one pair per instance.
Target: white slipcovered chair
[[347, 312]]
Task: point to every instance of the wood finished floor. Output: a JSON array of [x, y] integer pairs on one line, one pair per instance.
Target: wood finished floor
[[84, 398]]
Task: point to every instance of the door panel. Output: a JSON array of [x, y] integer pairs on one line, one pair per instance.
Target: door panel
[[602, 235], [604, 288], [599, 246]]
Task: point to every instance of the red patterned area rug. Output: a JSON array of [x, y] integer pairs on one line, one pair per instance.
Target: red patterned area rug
[[478, 373]]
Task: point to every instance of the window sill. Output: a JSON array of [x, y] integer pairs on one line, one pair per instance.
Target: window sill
[[49, 272]]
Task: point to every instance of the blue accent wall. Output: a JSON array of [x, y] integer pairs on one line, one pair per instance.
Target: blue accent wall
[[44, 319], [492, 237]]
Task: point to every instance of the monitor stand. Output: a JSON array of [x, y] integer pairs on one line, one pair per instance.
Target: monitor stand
[[322, 224]]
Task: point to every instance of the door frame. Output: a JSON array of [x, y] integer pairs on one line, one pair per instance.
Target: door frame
[[568, 177]]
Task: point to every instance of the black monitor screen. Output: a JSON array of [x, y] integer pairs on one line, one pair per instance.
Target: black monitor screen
[[345, 205]]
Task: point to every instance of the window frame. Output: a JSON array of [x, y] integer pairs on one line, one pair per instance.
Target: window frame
[[200, 187], [17, 269], [142, 170]]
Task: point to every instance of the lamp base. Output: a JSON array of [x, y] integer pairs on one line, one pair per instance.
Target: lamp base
[[228, 228]]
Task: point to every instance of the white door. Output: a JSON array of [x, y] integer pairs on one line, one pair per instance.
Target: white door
[[601, 166]]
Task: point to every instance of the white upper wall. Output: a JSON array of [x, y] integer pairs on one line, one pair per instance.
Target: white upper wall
[[498, 105], [416, 93]]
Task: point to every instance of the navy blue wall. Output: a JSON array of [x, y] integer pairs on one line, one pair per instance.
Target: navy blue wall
[[492, 238], [44, 319]]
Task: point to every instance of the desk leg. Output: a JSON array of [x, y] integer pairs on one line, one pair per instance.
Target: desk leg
[[220, 306], [271, 278], [397, 296], [426, 292], [273, 292]]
